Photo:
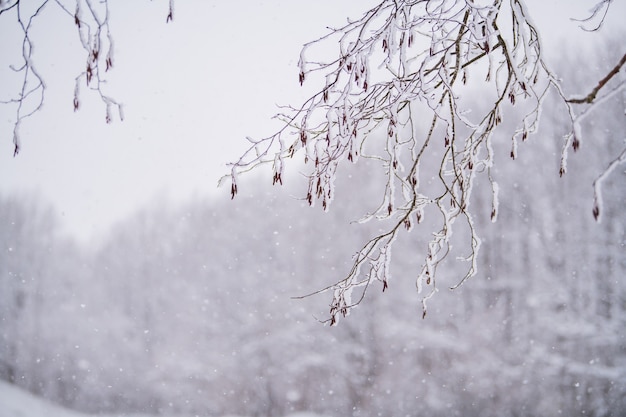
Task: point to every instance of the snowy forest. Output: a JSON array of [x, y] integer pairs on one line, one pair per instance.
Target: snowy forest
[[214, 307], [189, 309]]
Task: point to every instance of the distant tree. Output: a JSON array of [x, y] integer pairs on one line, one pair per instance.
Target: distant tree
[[399, 91]]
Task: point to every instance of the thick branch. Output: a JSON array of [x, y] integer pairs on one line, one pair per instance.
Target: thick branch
[[592, 95]]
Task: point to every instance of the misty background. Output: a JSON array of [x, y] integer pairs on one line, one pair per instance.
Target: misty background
[[185, 306]]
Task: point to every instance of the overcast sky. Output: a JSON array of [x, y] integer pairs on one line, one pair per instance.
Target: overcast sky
[[192, 91]]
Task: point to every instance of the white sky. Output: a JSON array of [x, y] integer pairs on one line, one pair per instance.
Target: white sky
[[192, 91]]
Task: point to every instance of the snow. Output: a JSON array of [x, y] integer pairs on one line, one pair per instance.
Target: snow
[[15, 402]]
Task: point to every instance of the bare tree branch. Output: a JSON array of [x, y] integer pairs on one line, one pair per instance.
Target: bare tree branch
[[589, 98], [402, 59], [92, 23]]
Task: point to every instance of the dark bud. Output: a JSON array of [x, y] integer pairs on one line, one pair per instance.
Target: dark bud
[[233, 190], [385, 286], [596, 212], [301, 77], [89, 73], [575, 144]]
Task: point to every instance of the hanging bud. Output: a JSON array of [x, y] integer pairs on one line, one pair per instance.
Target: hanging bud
[[89, 73], [596, 211]]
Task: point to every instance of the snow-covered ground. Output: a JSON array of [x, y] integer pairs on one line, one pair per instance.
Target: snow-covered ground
[[15, 402]]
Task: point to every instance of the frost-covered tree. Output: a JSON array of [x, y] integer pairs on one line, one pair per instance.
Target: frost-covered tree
[[401, 90]]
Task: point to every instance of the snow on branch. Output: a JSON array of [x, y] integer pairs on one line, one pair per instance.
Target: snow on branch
[[91, 20], [394, 94]]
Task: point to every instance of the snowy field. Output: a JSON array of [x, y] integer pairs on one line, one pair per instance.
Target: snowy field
[[15, 402]]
